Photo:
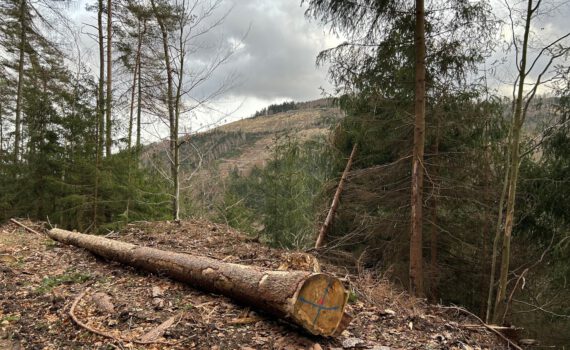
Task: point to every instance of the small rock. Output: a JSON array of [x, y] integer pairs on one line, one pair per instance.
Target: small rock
[[352, 342], [388, 313], [104, 303], [157, 291], [158, 303], [381, 347], [316, 346]]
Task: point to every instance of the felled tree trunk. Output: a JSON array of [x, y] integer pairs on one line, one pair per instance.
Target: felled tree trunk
[[314, 301]]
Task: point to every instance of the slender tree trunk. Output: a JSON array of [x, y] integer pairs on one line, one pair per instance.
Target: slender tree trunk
[[109, 100], [173, 142], [177, 144], [97, 174], [416, 256], [1, 135], [485, 250], [434, 268], [314, 301], [100, 115], [20, 91], [100, 86], [129, 141], [496, 242], [132, 109], [139, 97], [484, 260], [518, 119]]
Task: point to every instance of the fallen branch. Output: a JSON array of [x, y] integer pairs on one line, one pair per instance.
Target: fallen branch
[[84, 325], [100, 332], [499, 328], [25, 227], [314, 301], [489, 327]]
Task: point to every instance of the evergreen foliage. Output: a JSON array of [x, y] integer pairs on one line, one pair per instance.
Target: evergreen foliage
[[276, 108], [285, 196]]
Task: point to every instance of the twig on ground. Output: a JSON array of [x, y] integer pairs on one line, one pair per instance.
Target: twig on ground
[[25, 227], [102, 333], [489, 327], [80, 323]]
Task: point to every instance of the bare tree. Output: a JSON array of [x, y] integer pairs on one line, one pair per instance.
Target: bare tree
[[535, 62], [181, 24]]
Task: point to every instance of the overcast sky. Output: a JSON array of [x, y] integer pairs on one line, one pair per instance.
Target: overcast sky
[[275, 60]]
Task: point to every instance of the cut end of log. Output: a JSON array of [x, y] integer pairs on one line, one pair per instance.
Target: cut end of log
[[320, 304]]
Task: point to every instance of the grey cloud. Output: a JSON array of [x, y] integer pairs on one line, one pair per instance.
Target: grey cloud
[[277, 58]]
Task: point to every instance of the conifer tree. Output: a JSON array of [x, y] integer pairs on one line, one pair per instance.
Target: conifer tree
[[384, 52]]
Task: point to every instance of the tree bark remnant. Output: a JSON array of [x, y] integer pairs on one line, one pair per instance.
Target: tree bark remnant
[[314, 301]]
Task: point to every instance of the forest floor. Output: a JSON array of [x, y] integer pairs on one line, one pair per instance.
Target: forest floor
[[41, 280]]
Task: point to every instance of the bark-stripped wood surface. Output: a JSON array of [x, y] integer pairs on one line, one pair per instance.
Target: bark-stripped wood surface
[[314, 301]]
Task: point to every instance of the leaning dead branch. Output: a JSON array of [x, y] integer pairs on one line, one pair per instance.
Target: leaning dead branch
[[336, 200], [25, 227]]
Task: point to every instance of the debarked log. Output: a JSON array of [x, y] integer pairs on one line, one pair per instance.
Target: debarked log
[[314, 301]]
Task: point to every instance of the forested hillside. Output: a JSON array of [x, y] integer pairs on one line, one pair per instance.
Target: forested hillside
[[439, 159]]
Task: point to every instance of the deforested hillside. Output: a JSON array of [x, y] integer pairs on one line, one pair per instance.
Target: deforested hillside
[[208, 158]]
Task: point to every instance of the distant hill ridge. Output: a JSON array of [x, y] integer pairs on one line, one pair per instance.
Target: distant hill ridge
[[246, 143]]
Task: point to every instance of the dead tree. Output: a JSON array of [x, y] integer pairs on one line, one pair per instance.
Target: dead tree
[[336, 200], [314, 301]]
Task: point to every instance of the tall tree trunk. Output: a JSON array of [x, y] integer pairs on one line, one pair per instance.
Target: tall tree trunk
[[20, 91], [108, 119], [129, 142], [514, 165], [177, 144], [173, 142], [314, 301], [139, 97], [100, 86], [434, 269], [416, 256], [100, 114]]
